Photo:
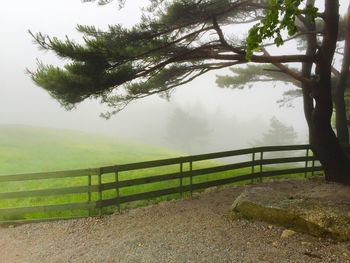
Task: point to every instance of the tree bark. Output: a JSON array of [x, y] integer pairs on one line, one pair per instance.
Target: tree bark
[[340, 109], [340, 106]]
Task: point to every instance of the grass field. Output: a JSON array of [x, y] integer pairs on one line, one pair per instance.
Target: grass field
[[31, 149], [26, 149]]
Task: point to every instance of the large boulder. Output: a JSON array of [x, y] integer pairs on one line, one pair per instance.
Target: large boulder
[[308, 206]]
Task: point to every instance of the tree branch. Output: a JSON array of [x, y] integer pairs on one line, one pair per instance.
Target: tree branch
[[289, 72], [293, 37], [223, 40]]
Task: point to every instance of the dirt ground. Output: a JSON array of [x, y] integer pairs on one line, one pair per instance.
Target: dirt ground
[[196, 229]]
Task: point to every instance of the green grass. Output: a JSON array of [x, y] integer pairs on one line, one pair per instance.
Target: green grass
[[30, 149], [26, 149]]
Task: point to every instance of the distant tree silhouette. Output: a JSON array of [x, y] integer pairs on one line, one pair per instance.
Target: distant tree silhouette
[[186, 131], [278, 134]]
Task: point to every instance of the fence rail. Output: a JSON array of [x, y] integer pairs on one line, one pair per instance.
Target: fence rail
[[92, 190]]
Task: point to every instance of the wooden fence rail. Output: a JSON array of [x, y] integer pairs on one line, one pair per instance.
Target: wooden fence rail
[[92, 190]]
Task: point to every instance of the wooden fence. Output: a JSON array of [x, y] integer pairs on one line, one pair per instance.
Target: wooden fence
[[91, 191]]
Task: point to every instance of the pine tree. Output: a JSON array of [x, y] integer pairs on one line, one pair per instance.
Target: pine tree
[[278, 134], [180, 40]]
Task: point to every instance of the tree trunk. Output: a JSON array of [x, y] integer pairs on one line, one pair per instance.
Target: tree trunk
[[326, 146], [340, 106], [311, 48], [322, 137]]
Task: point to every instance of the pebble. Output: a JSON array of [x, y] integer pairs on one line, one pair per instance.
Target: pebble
[[287, 233], [305, 243]]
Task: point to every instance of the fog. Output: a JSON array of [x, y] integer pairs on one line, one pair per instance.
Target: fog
[[233, 118]]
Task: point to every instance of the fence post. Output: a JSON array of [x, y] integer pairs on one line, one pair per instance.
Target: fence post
[[89, 190], [261, 165], [306, 161], [253, 165], [191, 178], [116, 175], [99, 182], [181, 182]]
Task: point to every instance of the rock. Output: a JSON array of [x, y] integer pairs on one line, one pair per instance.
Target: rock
[[287, 233], [317, 208]]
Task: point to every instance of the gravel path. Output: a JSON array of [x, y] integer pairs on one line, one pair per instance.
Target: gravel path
[[191, 230]]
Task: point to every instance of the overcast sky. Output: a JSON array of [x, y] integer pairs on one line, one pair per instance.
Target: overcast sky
[[22, 102]]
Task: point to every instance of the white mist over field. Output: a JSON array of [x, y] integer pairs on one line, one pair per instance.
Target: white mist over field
[[232, 118]]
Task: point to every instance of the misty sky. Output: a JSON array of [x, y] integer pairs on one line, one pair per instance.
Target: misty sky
[[21, 102]]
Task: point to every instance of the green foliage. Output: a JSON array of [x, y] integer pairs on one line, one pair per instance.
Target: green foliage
[[169, 47], [78, 80], [280, 15], [161, 82], [242, 77], [246, 77], [189, 11]]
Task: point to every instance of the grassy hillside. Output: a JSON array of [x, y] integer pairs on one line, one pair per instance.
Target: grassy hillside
[[26, 149]]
